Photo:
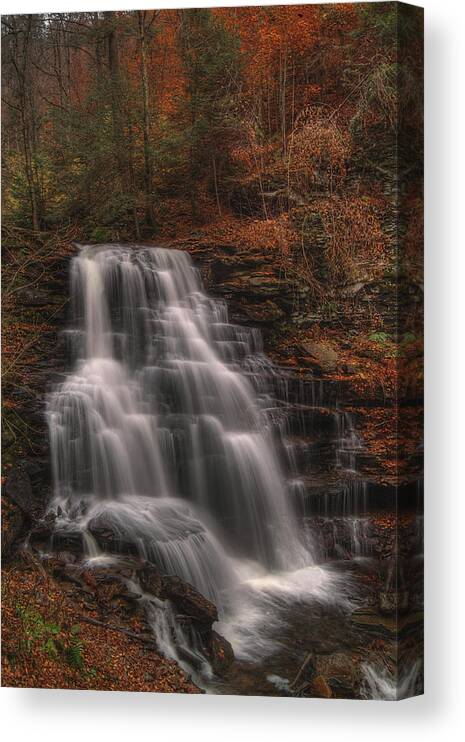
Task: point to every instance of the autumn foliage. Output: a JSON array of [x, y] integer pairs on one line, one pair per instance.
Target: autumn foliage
[[260, 112]]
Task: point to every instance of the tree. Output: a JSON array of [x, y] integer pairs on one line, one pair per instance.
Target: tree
[[122, 142], [19, 49], [145, 26], [211, 63]]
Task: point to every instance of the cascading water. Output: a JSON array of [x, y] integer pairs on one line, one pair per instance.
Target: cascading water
[[378, 684], [161, 434]]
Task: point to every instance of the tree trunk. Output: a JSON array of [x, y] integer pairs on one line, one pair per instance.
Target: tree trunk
[[148, 163], [26, 104], [116, 95], [120, 141]]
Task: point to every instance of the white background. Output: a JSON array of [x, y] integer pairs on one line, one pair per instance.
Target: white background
[[79, 715]]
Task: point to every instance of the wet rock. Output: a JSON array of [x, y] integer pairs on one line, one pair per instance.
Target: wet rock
[[189, 602], [221, 654], [151, 580], [109, 538], [62, 540], [194, 612], [18, 488], [64, 571], [113, 594], [38, 467], [110, 589], [67, 556], [42, 531]]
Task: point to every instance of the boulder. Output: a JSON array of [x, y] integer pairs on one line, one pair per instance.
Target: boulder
[[151, 580], [63, 540], [220, 653], [109, 538], [194, 612], [113, 594], [319, 356], [189, 602]]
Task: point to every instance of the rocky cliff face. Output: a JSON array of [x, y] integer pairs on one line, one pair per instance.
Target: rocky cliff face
[[340, 371], [343, 352], [340, 368], [35, 356]]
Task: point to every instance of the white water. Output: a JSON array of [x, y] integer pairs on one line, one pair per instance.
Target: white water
[[160, 434], [379, 684]]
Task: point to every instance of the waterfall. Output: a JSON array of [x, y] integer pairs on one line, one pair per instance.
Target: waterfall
[[381, 685], [160, 432]]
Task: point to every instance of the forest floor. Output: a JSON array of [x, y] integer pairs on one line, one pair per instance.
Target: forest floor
[[49, 640]]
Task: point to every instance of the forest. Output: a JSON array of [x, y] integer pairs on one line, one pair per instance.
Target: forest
[[145, 123], [281, 147]]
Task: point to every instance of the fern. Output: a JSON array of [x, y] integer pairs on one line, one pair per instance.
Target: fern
[[44, 635], [73, 653]]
